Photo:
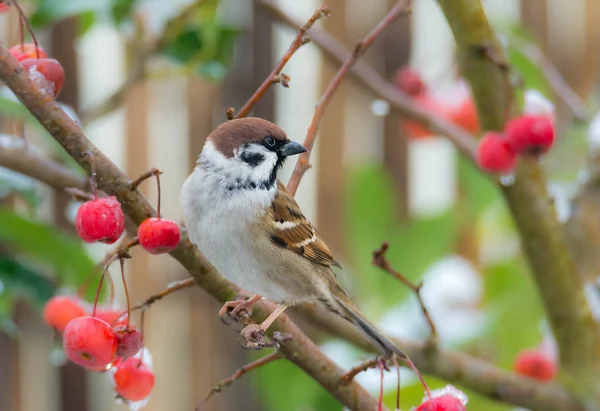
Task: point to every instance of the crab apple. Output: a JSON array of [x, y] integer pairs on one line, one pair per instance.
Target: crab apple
[[465, 116], [416, 131], [494, 154], [47, 74], [27, 51], [157, 235], [129, 340], [535, 364], [4, 8], [100, 220], [113, 317], [61, 309], [409, 81], [445, 402], [530, 134], [133, 379], [90, 342]]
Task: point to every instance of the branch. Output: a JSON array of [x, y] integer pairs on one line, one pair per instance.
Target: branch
[[555, 79], [382, 88], [400, 8], [267, 359], [460, 369], [138, 71], [379, 260], [171, 288], [26, 162], [274, 77], [300, 350], [542, 236]]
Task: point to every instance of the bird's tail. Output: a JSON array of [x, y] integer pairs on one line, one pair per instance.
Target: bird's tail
[[373, 334]]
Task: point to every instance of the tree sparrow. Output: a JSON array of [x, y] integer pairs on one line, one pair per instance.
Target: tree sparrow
[[246, 223]]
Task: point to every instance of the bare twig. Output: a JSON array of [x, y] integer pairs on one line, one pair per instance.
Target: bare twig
[[153, 172], [321, 12], [267, 359], [382, 88], [400, 8], [354, 371], [171, 288], [555, 79], [379, 260]]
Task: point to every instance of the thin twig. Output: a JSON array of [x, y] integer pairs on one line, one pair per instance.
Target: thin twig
[[379, 260], [370, 78], [400, 8], [555, 79], [150, 173], [354, 371], [171, 288], [321, 12], [267, 359]]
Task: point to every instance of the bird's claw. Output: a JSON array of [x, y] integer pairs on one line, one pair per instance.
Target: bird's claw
[[235, 310], [253, 338]]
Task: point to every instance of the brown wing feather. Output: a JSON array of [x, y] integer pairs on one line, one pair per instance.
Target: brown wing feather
[[293, 231]]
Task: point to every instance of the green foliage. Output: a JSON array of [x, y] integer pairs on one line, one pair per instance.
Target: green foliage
[[18, 279], [43, 244], [51, 11], [371, 220], [204, 44]]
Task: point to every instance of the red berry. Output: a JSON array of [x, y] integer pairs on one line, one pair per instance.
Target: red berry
[[528, 134], [129, 340], [494, 155], [27, 51], [535, 364], [61, 309], [100, 220], [111, 316], [158, 236], [133, 380], [4, 8], [409, 81], [90, 342], [445, 402], [46, 73], [465, 116], [413, 129]]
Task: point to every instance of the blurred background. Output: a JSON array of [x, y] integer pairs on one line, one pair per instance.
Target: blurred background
[[148, 87]]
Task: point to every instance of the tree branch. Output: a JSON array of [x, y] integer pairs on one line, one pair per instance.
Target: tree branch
[[300, 350], [460, 369], [49, 172], [542, 237], [382, 88], [275, 76], [401, 7]]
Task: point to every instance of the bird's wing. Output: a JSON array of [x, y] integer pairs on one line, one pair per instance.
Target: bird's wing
[[291, 230]]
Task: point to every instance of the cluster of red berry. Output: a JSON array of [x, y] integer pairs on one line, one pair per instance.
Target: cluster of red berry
[[104, 339], [46, 73], [531, 135], [461, 112]]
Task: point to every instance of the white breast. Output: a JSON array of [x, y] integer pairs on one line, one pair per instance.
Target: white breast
[[217, 221]]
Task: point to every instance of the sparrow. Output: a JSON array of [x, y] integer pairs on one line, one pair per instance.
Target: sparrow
[[248, 225]]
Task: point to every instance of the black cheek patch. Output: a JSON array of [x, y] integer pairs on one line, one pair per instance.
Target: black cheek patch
[[252, 159]]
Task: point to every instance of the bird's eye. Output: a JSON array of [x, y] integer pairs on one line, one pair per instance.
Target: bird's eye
[[270, 141]]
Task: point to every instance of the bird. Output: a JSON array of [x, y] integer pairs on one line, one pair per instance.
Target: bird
[[252, 230]]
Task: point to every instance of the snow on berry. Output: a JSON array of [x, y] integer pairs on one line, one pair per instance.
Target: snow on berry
[[90, 342], [61, 309], [448, 398], [129, 340], [47, 74], [494, 154], [535, 364], [100, 220], [158, 235], [27, 51], [530, 134]]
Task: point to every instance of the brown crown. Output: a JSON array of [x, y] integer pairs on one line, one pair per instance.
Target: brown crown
[[236, 133]]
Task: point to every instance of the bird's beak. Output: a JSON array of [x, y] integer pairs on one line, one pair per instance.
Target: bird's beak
[[291, 148]]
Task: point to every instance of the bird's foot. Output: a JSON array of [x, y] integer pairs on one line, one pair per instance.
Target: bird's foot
[[253, 335], [237, 309]]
